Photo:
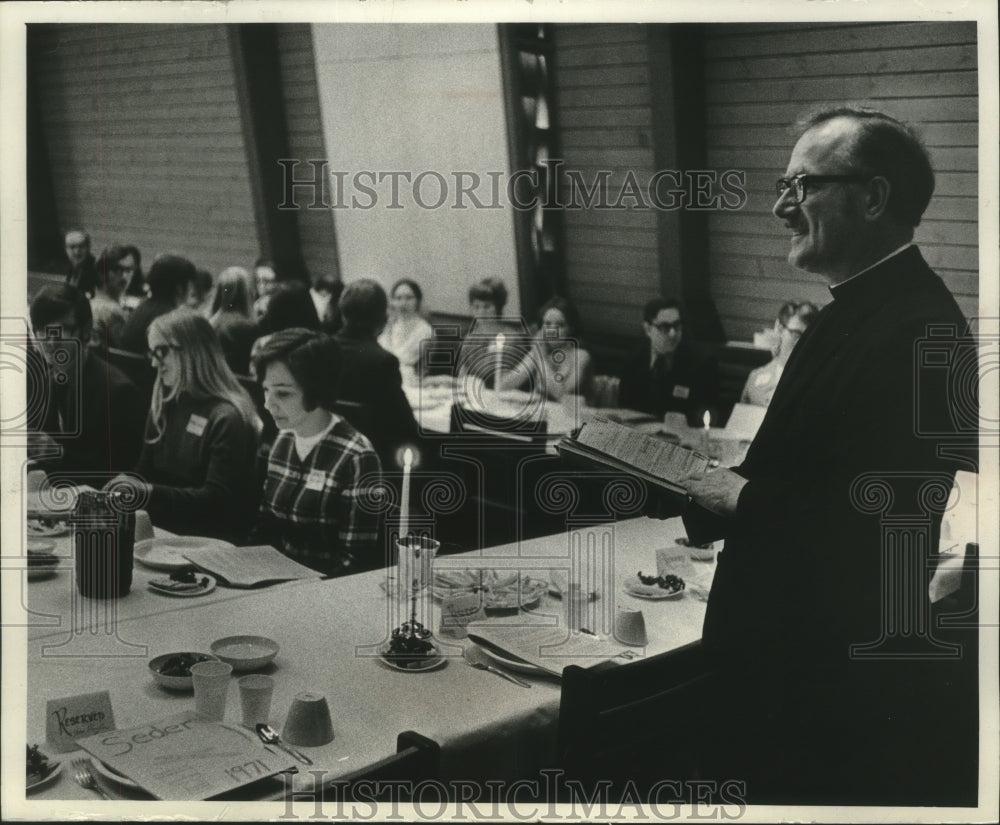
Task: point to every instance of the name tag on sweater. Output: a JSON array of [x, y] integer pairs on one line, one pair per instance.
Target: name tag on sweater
[[315, 480], [196, 424], [680, 391]]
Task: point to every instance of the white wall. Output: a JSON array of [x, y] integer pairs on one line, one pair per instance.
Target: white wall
[[417, 98]]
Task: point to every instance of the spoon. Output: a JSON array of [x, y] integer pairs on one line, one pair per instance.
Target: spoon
[[270, 736]]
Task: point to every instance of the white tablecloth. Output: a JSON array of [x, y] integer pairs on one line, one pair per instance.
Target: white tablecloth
[[328, 632]]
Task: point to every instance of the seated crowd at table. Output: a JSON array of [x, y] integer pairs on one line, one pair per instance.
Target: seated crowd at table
[[290, 469]]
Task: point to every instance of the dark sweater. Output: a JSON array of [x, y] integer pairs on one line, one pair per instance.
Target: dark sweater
[[202, 470], [98, 423]]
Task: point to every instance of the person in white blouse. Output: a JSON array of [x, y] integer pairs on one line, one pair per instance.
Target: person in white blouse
[[558, 365], [793, 320], [406, 328]]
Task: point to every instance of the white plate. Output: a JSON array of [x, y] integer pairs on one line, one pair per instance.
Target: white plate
[[432, 663], [510, 664], [187, 594], [114, 778], [500, 589], [167, 553], [35, 529], [54, 770], [653, 592], [49, 566]]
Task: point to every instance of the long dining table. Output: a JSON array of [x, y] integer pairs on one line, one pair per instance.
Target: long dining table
[[329, 633]]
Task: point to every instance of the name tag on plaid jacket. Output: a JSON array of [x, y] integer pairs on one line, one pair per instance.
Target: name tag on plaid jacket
[[316, 480]]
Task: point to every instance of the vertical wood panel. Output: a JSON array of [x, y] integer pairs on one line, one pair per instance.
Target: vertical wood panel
[[317, 231], [604, 98], [140, 121]]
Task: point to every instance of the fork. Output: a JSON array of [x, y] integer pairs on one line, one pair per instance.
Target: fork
[[477, 659], [85, 779]]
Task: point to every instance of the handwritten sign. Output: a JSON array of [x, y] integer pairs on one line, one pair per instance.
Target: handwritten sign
[[182, 757], [75, 716]]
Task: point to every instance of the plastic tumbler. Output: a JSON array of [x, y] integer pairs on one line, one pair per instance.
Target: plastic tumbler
[[255, 698], [211, 686]]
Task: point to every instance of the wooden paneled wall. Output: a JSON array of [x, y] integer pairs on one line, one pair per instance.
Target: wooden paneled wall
[[604, 101], [761, 78], [305, 140], [144, 138]]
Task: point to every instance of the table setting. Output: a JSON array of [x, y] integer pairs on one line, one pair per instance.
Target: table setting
[[265, 656]]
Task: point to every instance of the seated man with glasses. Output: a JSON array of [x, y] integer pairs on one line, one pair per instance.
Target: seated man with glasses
[[793, 320], [86, 414], [669, 372]]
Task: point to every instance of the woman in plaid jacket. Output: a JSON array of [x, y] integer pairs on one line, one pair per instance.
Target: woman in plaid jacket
[[320, 467]]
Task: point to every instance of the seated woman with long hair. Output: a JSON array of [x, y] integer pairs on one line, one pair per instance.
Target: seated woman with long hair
[[231, 318], [320, 467], [558, 366], [197, 463], [406, 329]]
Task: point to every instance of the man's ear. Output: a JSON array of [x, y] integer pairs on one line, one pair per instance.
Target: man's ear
[[877, 197]]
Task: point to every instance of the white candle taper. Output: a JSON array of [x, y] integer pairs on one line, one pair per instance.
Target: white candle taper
[[501, 338], [404, 505], [707, 420]]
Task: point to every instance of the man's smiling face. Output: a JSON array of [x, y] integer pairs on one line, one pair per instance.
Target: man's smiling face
[[828, 225]]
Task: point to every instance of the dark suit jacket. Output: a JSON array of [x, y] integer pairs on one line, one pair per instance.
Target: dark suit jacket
[[370, 376], [690, 386], [83, 276], [803, 572], [133, 337], [107, 436]]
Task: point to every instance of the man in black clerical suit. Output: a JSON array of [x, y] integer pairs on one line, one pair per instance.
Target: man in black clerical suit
[[811, 571], [669, 372]]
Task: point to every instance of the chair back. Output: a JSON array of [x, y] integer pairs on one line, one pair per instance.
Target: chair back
[[734, 365], [137, 367], [634, 722]]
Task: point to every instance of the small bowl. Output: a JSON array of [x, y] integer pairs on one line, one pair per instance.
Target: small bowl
[[245, 652], [174, 682]]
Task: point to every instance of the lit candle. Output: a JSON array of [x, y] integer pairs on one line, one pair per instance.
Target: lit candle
[[404, 506], [707, 419], [496, 378]]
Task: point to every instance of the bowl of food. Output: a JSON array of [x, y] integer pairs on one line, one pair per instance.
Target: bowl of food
[[245, 652], [698, 552], [173, 670], [39, 770]]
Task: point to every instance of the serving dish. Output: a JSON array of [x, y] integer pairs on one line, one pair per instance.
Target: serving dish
[[412, 664], [176, 682], [501, 589], [245, 652]]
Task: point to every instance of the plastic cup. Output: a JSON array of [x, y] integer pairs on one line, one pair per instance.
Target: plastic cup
[[211, 686], [308, 721], [255, 698], [143, 526], [630, 627]]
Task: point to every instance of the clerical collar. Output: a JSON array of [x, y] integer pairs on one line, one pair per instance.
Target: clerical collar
[[856, 275]]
